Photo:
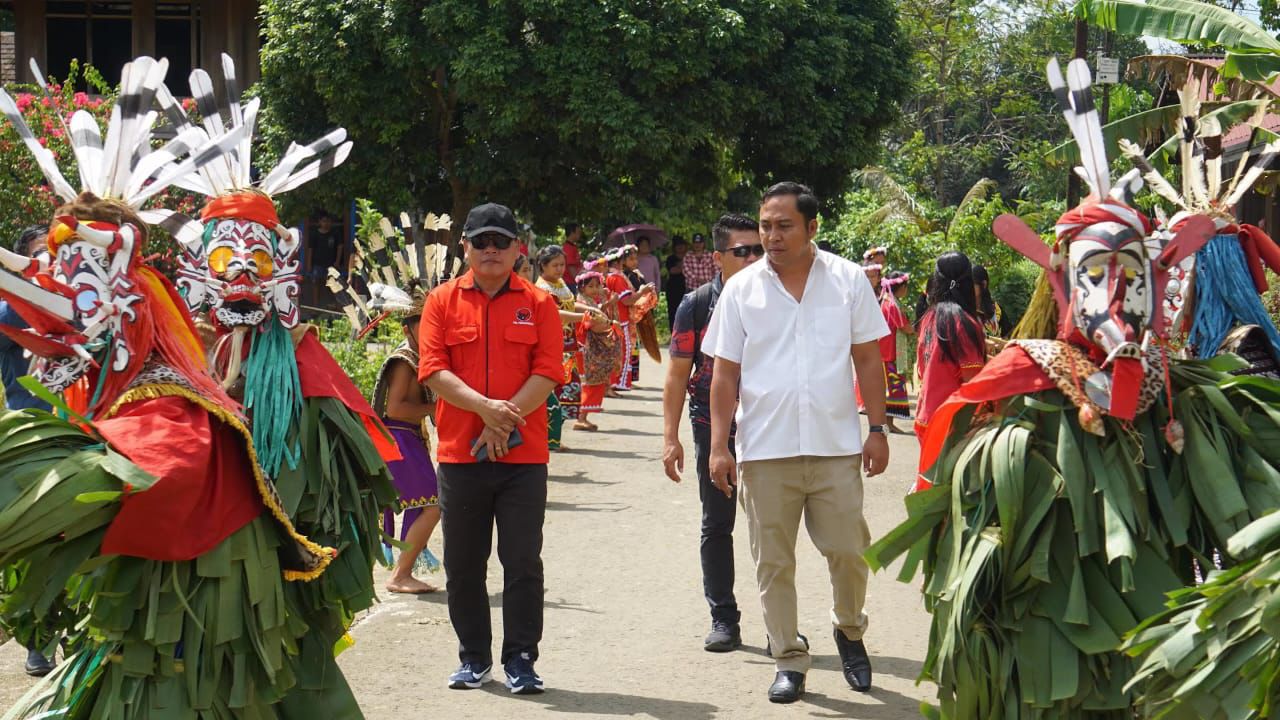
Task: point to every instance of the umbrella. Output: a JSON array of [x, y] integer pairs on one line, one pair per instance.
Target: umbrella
[[627, 234]]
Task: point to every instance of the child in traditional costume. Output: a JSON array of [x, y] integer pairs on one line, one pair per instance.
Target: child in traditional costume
[[631, 270], [320, 442], [990, 313], [397, 267], [624, 295], [565, 400], [524, 268], [406, 406], [643, 327], [598, 339], [894, 289], [875, 274], [148, 504], [1068, 487]]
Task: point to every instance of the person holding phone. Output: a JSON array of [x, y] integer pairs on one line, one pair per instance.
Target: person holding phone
[[490, 349]]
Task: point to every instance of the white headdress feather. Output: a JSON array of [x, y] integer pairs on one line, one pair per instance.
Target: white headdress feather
[[122, 166], [300, 164]]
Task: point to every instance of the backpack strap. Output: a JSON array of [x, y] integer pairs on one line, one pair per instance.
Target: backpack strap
[[701, 313]]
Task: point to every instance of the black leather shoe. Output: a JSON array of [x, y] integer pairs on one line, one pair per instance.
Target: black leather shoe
[[787, 687], [854, 661], [37, 664]]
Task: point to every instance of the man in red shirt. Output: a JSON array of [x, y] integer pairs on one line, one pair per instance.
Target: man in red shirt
[[572, 256], [490, 347]]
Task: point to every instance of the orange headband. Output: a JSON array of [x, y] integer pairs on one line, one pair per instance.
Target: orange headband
[[247, 206]]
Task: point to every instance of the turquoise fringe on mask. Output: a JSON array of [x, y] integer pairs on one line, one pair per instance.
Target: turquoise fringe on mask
[[273, 393]]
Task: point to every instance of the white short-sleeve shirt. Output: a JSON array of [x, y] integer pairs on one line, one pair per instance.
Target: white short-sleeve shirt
[[796, 393]]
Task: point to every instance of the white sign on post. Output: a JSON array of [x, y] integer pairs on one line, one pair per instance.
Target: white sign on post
[[1108, 71]]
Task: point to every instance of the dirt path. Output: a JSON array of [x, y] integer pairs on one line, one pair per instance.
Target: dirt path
[[625, 615]]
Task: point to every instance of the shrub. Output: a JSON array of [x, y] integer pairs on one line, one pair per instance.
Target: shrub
[[360, 358]]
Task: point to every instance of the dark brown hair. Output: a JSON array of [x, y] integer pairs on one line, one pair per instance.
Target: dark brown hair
[[90, 207]]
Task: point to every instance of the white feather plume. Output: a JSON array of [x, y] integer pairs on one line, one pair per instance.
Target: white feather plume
[[122, 165], [385, 298], [299, 165]]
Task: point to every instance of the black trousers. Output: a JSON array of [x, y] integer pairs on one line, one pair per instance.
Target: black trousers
[[718, 516], [474, 498]]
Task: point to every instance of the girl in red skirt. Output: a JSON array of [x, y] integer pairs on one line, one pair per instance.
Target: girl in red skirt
[[599, 356]]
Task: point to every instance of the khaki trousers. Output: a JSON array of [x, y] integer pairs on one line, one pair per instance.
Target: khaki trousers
[[827, 491]]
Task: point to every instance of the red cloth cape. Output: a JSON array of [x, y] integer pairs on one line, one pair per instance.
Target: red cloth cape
[[204, 489], [1010, 373], [321, 376]]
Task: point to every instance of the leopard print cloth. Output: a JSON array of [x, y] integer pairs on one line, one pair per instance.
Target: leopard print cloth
[[1068, 367]]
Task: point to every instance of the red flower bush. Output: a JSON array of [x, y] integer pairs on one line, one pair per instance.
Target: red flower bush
[[25, 196]]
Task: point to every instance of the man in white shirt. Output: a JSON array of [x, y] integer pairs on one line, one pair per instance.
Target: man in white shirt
[[782, 335]]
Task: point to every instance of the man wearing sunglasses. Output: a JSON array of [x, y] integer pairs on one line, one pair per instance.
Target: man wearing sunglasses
[[737, 244], [490, 347]]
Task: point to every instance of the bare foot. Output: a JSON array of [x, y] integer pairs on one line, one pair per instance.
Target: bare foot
[[586, 426], [410, 586], [612, 393]]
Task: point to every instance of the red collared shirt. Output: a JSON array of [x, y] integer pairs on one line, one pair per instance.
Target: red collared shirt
[[493, 345]]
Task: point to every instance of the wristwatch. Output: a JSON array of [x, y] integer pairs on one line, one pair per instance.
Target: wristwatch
[[878, 428]]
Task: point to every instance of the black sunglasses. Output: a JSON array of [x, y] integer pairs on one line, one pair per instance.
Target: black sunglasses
[[502, 242], [742, 251]]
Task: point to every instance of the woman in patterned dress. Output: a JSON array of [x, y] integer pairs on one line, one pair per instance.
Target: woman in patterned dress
[[564, 400]]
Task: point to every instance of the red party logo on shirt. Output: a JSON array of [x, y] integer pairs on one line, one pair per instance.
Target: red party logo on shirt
[[524, 316]]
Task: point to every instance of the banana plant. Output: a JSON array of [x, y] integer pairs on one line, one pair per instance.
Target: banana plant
[[900, 204], [1160, 124], [1242, 79], [1251, 52]]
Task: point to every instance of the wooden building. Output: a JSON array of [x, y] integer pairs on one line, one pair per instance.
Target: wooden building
[[191, 33]]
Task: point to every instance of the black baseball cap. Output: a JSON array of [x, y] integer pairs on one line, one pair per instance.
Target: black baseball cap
[[490, 217]]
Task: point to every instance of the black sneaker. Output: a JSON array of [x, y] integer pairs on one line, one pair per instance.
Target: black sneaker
[[724, 637], [471, 675], [37, 664], [768, 649], [854, 662], [521, 678]]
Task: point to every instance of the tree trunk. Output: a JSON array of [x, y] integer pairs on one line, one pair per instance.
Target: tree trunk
[[463, 195], [940, 112]]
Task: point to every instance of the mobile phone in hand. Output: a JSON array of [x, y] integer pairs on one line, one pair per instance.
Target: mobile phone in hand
[[514, 440]]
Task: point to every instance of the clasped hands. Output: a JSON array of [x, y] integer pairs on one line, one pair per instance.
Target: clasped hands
[[500, 417]]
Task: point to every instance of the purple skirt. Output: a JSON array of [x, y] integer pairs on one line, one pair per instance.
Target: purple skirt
[[414, 476]]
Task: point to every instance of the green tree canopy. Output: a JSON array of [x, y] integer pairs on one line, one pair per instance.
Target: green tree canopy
[[579, 108]]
